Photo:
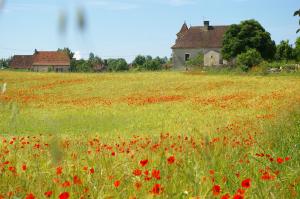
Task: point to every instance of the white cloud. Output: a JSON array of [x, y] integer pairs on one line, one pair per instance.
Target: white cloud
[[77, 55]]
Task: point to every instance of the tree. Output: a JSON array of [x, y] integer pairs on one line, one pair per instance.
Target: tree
[[196, 61], [4, 63], [297, 13], [139, 61], [284, 51], [67, 51], [249, 34], [297, 49], [249, 59], [117, 64]]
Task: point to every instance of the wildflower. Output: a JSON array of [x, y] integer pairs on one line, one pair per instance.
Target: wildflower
[[157, 189], [143, 162], [137, 172], [59, 170], [280, 160], [226, 196], [287, 158], [92, 170], [156, 174], [76, 180], [171, 159], [216, 190], [211, 172], [64, 195], [246, 183], [117, 183], [12, 169], [238, 196], [48, 194], [66, 184], [138, 185], [30, 196], [24, 167]]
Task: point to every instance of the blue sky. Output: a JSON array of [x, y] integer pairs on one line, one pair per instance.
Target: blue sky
[[125, 28]]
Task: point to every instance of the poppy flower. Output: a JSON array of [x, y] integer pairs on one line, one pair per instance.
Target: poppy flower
[[24, 167], [226, 196], [92, 170], [48, 194], [66, 184], [30, 196], [117, 183], [138, 185], [156, 174], [287, 158], [157, 189], [137, 172], [171, 159], [238, 196], [143, 162], [280, 160], [246, 183], [64, 195], [59, 170], [216, 190], [76, 180]]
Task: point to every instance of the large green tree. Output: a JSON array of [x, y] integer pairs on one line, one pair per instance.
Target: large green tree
[[247, 35], [297, 13], [67, 51], [284, 51], [297, 49]]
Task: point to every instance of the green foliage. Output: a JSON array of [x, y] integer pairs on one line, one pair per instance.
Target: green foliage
[[297, 13], [196, 61], [67, 51], [249, 59], [4, 63], [117, 65], [297, 49], [284, 51], [247, 35], [148, 63]]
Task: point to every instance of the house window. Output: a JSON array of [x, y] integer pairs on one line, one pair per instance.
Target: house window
[[187, 56]]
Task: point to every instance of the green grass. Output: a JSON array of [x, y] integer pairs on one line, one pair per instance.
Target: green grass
[[207, 122]]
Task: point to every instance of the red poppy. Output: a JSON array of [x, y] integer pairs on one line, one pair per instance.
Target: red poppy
[[157, 189], [137, 172], [66, 184], [12, 169], [246, 183], [156, 174], [287, 158], [238, 196], [59, 170], [76, 180], [92, 170], [171, 159], [30, 196], [64, 195], [226, 196], [216, 190], [138, 185], [280, 160], [117, 183], [24, 167], [211, 172], [48, 194], [144, 162]]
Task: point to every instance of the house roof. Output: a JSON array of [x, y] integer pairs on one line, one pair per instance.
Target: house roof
[[21, 61], [50, 58], [183, 29], [201, 37]]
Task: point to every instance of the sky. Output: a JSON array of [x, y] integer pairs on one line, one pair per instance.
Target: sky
[[126, 28]]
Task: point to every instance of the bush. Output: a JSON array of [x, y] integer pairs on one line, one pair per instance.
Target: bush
[[196, 61], [117, 65], [141, 63], [249, 59]]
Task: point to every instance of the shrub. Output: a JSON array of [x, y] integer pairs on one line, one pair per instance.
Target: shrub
[[117, 65], [249, 59], [196, 61]]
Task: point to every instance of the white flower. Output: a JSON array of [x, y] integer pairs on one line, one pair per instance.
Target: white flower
[[3, 88]]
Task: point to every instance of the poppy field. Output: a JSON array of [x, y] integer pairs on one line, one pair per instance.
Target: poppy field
[[149, 135]]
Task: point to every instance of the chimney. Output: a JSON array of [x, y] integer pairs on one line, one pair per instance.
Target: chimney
[[206, 25]]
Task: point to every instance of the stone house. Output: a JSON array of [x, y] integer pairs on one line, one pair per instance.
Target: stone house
[[192, 41], [42, 61]]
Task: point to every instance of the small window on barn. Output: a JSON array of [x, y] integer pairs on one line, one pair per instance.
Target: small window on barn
[[187, 56]]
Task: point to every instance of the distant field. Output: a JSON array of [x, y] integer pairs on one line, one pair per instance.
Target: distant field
[[203, 135]]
